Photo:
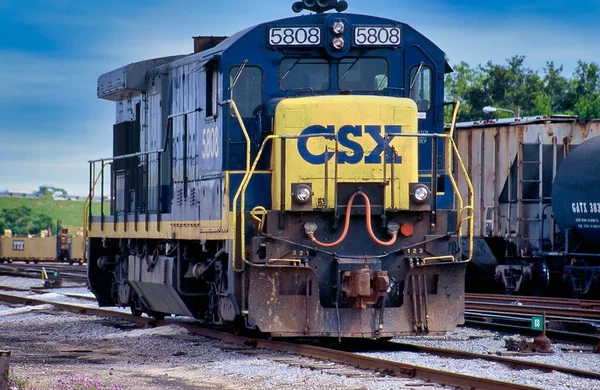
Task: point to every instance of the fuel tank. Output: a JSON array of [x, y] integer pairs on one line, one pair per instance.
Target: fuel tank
[[576, 193]]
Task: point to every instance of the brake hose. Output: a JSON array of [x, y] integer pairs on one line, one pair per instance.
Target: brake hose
[[311, 235]]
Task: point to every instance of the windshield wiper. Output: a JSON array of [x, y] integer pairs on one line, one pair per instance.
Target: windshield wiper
[[412, 82], [291, 67], [352, 65]]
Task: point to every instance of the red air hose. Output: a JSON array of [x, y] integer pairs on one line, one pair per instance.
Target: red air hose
[[347, 225]]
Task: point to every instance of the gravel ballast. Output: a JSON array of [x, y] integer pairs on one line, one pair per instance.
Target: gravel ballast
[[48, 345]]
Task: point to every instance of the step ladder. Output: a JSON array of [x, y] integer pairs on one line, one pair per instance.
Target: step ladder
[[521, 200]]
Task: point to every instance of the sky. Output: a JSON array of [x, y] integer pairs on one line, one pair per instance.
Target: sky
[[52, 52]]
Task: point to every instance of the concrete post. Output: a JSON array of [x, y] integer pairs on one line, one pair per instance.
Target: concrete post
[[4, 365]]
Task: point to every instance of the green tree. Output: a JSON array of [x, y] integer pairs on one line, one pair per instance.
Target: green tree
[[585, 91], [459, 86], [556, 89], [22, 221], [514, 86]]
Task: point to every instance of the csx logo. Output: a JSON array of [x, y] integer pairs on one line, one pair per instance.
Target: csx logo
[[356, 152]]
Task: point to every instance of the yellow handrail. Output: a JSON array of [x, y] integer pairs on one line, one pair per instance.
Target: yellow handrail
[[259, 210], [241, 191], [452, 128], [469, 209]]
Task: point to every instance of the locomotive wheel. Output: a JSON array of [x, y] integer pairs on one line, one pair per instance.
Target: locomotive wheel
[[239, 326], [158, 316], [136, 312]]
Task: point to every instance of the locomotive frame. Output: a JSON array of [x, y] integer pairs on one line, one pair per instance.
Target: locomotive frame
[[230, 183]]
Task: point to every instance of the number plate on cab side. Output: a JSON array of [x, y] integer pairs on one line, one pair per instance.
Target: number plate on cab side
[[376, 36], [294, 36]]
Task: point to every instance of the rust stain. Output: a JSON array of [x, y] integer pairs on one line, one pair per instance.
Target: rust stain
[[364, 287]]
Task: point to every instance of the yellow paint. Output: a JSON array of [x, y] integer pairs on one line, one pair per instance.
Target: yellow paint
[[292, 116], [181, 230]]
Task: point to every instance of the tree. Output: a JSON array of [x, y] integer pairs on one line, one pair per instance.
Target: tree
[[514, 86], [460, 85], [23, 221]]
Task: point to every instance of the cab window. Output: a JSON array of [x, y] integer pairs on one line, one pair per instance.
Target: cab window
[[421, 86], [363, 74], [247, 92], [304, 73]]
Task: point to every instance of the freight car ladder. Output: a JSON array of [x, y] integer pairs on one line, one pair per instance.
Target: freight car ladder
[[534, 177]]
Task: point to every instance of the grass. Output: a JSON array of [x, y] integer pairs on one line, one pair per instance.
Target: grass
[[69, 212], [68, 383]]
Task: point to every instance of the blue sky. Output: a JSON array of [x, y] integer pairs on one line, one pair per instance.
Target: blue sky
[[52, 51]]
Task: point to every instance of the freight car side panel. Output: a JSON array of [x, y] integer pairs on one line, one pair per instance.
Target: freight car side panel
[[28, 248], [576, 193], [506, 162]]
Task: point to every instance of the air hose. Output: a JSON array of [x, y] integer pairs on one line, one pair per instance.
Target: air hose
[[311, 232]]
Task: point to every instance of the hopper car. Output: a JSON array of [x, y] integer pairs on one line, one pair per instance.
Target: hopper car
[[536, 205]]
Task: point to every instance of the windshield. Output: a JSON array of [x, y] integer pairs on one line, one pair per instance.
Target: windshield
[[304, 73], [363, 74]]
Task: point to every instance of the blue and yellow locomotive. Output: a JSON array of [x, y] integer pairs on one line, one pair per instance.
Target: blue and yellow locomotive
[[293, 178]]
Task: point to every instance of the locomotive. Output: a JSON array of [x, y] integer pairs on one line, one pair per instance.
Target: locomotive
[[293, 178], [536, 221]]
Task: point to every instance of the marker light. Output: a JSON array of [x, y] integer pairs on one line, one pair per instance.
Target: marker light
[[302, 193], [407, 229], [420, 193], [338, 43], [338, 27]]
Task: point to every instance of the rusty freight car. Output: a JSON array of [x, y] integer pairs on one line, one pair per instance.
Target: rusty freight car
[[512, 164]]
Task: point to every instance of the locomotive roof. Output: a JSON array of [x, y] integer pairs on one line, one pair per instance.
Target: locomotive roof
[[206, 55], [123, 81]]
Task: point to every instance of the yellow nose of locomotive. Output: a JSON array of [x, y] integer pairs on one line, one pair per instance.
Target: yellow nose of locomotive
[[343, 139]]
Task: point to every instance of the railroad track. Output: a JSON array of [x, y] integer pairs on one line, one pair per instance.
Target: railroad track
[[565, 318], [337, 354], [69, 272]]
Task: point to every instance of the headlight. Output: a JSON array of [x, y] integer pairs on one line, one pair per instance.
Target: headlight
[[338, 43], [302, 193], [338, 27], [420, 193]]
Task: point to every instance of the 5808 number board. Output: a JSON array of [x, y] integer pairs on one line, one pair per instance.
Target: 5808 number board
[[311, 36]]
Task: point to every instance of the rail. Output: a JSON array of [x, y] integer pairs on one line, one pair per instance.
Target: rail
[[400, 369], [465, 212]]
